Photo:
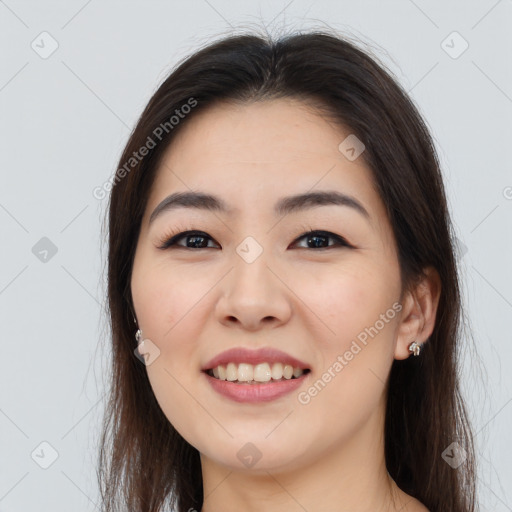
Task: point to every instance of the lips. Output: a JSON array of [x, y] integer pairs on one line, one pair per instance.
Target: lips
[[263, 355], [259, 393], [268, 366]]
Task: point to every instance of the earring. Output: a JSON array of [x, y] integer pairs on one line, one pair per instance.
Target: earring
[[138, 335], [415, 348]]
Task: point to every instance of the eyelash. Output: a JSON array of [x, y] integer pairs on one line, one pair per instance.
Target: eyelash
[[169, 240]]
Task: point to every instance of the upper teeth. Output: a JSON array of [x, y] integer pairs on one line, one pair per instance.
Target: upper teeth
[[262, 372]]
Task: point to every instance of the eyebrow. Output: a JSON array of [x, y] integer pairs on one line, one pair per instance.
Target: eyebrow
[[285, 205]]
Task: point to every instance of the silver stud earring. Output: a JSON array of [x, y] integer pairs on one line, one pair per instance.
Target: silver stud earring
[[138, 335], [415, 348]]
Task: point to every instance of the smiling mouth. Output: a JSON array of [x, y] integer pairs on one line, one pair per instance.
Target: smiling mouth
[[262, 373]]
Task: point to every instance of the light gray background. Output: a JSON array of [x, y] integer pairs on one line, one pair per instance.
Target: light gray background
[[64, 121]]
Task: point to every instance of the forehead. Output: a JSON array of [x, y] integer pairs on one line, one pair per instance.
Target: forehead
[[259, 151]]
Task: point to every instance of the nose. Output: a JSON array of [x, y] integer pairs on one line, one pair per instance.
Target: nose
[[253, 296]]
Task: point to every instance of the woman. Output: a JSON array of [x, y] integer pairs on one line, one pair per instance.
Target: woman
[[283, 293]]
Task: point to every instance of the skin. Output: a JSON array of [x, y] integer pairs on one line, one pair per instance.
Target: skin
[[312, 303]]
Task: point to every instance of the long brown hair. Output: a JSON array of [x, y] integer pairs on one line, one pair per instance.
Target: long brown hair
[[144, 463]]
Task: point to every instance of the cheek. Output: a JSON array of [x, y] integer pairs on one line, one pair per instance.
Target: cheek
[[355, 343], [167, 308], [348, 300], [164, 299], [355, 348]]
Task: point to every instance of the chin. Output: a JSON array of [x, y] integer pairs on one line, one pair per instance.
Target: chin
[[259, 456]]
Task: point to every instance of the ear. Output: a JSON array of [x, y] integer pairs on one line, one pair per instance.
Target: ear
[[418, 315]]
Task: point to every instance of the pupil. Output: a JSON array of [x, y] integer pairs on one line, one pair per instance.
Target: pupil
[[316, 237], [194, 242]]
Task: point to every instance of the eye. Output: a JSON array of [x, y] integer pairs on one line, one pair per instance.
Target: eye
[[315, 239], [318, 237], [198, 239]]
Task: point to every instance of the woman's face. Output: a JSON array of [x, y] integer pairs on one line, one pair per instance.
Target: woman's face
[[250, 281]]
